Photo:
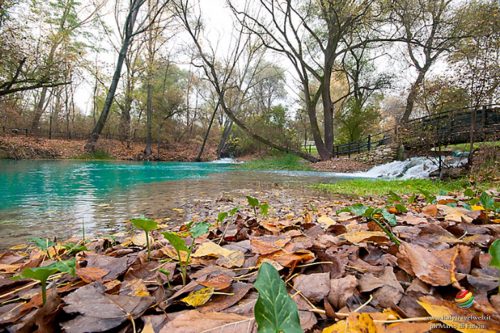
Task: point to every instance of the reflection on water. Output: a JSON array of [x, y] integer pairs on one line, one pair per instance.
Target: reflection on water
[[55, 198]]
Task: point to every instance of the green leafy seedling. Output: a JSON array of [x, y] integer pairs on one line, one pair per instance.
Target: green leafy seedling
[[167, 274], [429, 197], [147, 225], [275, 311], [180, 244], [65, 266], [43, 244], [256, 204], [373, 214], [73, 248], [494, 251], [41, 274]]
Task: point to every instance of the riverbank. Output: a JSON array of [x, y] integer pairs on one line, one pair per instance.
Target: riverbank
[[23, 148], [399, 269]]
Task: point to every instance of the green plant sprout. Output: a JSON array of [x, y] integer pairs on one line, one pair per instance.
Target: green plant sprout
[[255, 203], [494, 251], [180, 244], [147, 225], [43, 244], [375, 214], [43, 273]]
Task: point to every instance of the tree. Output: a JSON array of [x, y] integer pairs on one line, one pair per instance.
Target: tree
[[236, 73], [311, 36], [430, 29], [130, 30]]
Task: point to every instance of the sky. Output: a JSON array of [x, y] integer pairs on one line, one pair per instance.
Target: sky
[[219, 24]]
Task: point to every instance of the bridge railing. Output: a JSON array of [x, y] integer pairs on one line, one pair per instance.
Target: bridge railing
[[448, 127]]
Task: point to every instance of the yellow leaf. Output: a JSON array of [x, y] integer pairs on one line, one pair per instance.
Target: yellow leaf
[[323, 219], [477, 207], [210, 249], [463, 320], [228, 258], [355, 323], [18, 247], [198, 297], [172, 253], [148, 326], [356, 237], [178, 210]]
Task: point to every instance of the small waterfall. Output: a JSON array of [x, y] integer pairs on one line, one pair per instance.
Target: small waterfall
[[226, 160], [415, 167]]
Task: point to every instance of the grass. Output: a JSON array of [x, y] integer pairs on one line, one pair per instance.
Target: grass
[[97, 155], [466, 146], [277, 162], [363, 187]]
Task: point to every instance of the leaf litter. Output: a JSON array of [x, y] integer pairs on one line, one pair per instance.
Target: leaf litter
[[326, 268]]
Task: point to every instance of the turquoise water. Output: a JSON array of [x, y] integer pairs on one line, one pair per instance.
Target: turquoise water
[[59, 196]]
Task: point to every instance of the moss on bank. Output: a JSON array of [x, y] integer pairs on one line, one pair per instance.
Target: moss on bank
[[364, 187]]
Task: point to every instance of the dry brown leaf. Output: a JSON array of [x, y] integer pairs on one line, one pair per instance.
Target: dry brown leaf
[[341, 289], [228, 258], [218, 282], [357, 237], [325, 220], [91, 274], [315, 287], [216, 322], [432, 267], [268, 244], [134, 287]]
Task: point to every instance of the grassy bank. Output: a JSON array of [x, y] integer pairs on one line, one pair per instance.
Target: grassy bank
[[277, 162], [364, 187]]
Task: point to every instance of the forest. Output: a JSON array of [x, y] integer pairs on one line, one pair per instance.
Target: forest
[[271, 74]]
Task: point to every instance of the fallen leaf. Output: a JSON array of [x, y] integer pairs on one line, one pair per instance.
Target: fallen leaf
[[221, 302], [357, 237], [134, 287], [268, 244], [230, 258], [91, 274], [432, 267], [198, 297], [218, 282], [115, 266], [314, 286], [327, 221], [217, 322], [355, 323], [99, 311], [340, 290]]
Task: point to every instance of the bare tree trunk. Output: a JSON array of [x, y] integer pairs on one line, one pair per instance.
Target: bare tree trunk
[[198, 158], [149, 119], [221, 148], [410, 100]]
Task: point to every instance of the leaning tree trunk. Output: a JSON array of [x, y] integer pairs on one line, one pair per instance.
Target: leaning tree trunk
[[149, 119], [221, 148], [198, 158], [90, 146], [410, 100]]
